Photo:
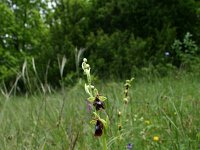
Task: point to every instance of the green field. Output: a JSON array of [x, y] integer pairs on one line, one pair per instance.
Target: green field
[[66, 70], [168, 108]]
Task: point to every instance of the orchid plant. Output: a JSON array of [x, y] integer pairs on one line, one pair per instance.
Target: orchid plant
[[100, 119]]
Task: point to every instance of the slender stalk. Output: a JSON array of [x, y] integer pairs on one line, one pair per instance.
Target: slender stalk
[[104, 141], [89, 83]]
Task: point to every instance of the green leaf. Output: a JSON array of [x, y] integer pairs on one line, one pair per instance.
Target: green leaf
[[93, 121], [87, 89], [95, 91], [102, 98], [91, 99], [104, 123]]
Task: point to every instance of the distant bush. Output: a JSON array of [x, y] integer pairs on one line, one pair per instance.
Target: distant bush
[[9, 66], [117, 53], [187, 53]]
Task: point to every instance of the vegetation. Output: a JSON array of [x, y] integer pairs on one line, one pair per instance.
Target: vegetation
[[162, 114], [42, 101]]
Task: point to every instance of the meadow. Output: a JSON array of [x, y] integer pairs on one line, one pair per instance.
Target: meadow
[[47, 102], [163, 114]]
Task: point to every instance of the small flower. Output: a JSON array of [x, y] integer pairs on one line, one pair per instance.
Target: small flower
[[87, 66], [119, 127], [126, 91], [143, 134], [141, 119], [89, 106], [156, 138], [126, 100], [135, 117], [98, 128], [119, 113], [129, 146], [84, 60], [98, 104], [167, 54], [147, 122]]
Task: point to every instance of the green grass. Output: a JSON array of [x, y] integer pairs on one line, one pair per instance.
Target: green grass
[[171, 105]]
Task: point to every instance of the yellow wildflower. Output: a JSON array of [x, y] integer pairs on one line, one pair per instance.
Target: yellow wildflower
[[156, 138]]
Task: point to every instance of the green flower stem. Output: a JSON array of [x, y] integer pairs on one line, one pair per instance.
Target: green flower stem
[[89, 83], [90, 87], [104, 141]]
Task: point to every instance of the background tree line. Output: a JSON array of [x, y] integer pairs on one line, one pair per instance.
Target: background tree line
[[120, 38]]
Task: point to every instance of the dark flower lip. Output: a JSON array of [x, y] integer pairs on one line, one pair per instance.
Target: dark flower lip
[[98, 104], [98, 128]]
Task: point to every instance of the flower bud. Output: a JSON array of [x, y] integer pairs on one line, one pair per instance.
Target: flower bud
[[119, 127], [87, 66], [119, 113], [126, 100], [84, 60]]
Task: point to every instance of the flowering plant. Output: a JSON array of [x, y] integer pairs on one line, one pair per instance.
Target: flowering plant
[[97, 101]]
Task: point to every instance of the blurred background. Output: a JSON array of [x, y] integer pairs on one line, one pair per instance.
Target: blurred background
[[120, 38]]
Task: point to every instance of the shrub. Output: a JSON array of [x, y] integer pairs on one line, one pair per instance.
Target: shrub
[[187, 53]]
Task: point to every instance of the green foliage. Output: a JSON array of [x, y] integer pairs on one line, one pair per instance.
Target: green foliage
[[9, 62], [187, 53], [116, 51], [115, 34], [9, 66]]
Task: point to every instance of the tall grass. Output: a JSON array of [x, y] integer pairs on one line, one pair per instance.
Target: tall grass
[[166, 107]]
